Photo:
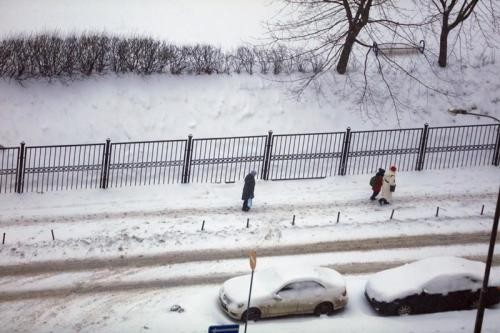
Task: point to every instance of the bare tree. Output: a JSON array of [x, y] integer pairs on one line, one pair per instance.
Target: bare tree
[[453, 13], [333, 26]]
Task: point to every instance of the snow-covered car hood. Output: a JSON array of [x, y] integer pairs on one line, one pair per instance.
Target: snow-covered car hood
[[409, 279], [236, 289]]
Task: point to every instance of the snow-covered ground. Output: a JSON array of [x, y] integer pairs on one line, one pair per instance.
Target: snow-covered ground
[[155, 219], [132, 108], [123, 256], [148, 311], [140, 227]]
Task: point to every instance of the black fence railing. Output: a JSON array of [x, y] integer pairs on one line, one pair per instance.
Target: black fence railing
[[63, 167], [144, 163], [305, 156], [229, 159]]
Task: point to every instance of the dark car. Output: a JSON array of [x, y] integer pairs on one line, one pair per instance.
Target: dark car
[[431, 285]]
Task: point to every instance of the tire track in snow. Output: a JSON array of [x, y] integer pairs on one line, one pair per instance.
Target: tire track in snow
[[215, 278], [178, 257]]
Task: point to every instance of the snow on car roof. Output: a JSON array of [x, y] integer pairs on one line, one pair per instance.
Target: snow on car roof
[[277, 276], [409, 279]]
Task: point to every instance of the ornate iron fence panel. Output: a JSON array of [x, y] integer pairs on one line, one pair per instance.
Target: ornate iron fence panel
[[146, 163], [370, 150], [49, 168], [460, 146], [215, 160], [303, 156], [8, 169]]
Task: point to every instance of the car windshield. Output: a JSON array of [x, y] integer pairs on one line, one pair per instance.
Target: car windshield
[[268, 278]]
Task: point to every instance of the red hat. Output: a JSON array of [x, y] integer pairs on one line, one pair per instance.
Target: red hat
[[393, 168]]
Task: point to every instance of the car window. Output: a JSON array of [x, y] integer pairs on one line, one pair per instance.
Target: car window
[[445, 284], [300, 286]]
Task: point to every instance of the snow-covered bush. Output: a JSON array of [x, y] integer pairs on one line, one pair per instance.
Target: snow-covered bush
[[49, 55]]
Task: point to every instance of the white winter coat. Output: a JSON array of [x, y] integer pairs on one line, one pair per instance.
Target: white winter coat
[[389, 179]]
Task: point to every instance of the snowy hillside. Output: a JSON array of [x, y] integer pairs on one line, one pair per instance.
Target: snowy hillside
[[166, 107]]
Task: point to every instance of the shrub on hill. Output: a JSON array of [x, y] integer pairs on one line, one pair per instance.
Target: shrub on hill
[[52, 56]]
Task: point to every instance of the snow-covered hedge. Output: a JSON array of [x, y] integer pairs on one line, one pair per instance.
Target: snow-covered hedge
[[53, 56]]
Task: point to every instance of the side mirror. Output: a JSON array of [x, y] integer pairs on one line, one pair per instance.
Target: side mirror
[[277, 297]]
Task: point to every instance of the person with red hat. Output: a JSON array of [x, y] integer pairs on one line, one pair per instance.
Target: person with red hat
[[388, 186]]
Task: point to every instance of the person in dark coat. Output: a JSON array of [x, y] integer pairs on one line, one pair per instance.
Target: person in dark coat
[[379, 178], [248, 189]]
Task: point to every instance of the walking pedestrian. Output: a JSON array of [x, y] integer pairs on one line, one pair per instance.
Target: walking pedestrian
[[248, 190], [376, 183], [388, 186]]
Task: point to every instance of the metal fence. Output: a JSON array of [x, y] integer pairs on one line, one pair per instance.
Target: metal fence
[[63, 167], [9, 158], [461, 146], [370, 150], [229, 159], [216, 160], [144, 163], [305, 156]]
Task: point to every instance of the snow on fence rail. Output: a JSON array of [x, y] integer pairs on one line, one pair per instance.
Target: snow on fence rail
[[229, 159]]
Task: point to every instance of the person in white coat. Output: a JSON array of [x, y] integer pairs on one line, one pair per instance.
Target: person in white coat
[[388, 186]]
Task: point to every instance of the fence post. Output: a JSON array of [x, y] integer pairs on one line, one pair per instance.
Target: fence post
[[267, 156], [422, 149], [105, 164], [187, 160], [345, 152], [20, 169], [496, 155]]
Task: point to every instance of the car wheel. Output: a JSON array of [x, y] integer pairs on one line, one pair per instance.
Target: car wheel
[[253, 314], [323, 308], [404, 310]]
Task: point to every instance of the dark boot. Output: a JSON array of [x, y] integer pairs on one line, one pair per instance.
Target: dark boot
[[245, 207]]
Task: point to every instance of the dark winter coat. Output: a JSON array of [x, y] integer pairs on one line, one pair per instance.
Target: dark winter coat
[[249, 187], [379, 179]]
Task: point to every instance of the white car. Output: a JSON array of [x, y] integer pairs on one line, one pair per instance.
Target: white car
[[431, 285], [284, 291]]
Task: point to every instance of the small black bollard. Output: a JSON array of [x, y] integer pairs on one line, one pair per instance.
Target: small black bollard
[[392, 214], [437, 211], [293, 220], [203, 225], [338, 217], [482, 210], [248, 222], [3, 239], [52, 231]]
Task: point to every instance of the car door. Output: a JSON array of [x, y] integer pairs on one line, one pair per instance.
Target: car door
[[311, 294], [451, 292], [284, 301]]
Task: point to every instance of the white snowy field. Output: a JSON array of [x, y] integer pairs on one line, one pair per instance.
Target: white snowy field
[[136, 223], [140, 222], [162, 107], [132, 108], [154, 219]]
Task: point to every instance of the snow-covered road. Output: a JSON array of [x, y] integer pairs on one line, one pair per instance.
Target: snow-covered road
[[120, 256]]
